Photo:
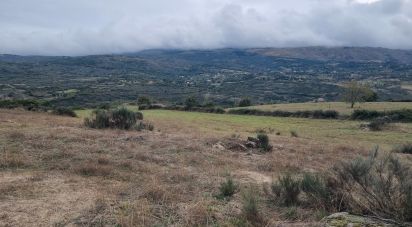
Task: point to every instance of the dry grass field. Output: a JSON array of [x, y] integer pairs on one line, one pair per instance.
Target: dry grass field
[[341, 107], [56, 172]]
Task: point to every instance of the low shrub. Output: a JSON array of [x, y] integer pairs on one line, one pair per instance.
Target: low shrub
[[264, 142], [227, 188], [404, 115], [144, 126], [364, 114], [286, 190], [378, 124], [318, 114], [121, 118], [405, 149], [27, 104], [62, 111], [379, 186], [250, 202], [320, 192]]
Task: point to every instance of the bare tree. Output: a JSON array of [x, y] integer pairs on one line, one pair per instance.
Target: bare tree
[[356, 92]]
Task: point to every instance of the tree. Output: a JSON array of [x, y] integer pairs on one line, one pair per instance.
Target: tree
[[143, 100], [357, 92], [245, 102], [373, 97], [190, 103]]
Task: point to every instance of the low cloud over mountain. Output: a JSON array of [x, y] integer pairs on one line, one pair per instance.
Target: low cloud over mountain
[[78, 27]]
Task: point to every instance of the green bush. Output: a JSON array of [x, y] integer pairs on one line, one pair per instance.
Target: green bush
[[250, 202], [286, 190], [405, 149], [227, 188], [264, 142], [378, 124], [245, 102], [64, 112], [379, 186], [318, 192], [121, 118], [318, 114], [27, 104], [404, 115]]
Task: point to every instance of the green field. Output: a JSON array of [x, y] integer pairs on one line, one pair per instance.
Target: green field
[[324, 131], [341, 107]]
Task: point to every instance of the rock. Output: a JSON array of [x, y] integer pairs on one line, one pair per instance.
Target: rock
[[251, 144], [219, 147], [253, 139], [347, 220]]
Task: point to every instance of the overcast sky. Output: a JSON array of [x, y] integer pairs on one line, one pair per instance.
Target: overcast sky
[[81, 27]]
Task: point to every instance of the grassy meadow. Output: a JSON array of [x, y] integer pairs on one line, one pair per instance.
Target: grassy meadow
[[341, 107], [61, 173]]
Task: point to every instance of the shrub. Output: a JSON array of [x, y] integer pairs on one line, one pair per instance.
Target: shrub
[[365, 114], [286, 190], [64, 112], [143, 100], [320, 114], [27, 104], [144, 126], [264, 142], [293, 133], [405, 149], [124, 119], [377, 186], [245, 102], [190, 103], [250, 201], [378, 124], [119, 118], [404, 115], [318, 192], [227, 188], [100, 119]]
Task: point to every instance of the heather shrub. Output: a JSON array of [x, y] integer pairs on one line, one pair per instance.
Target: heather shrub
[[286, 191], [378, 124], [264, 142], [64, 112], [250, 205], [228, 188], [121, 118], [405, 148]]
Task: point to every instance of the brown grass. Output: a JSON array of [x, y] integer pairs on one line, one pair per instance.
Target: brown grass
[[60, 173]]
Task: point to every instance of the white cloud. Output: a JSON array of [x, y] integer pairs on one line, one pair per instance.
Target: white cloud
[[76, 27]]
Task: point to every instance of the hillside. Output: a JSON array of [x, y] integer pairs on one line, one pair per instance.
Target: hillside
[[343, 54], [57, 172], [221, 76]]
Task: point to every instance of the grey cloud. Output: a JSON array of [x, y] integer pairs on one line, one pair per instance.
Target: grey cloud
[[77, 27]]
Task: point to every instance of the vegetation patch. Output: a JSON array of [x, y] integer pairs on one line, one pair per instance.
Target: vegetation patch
[[404, 115], [316, 114], [62, 111], [121, 118], [27, 104], [227, 188], [379, 186], [404, 149]]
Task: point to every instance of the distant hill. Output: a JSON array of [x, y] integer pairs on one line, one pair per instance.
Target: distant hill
[[351, 54], [223, 76], [354, 54]]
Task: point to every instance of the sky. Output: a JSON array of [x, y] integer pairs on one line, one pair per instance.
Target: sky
[[84, 27]]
